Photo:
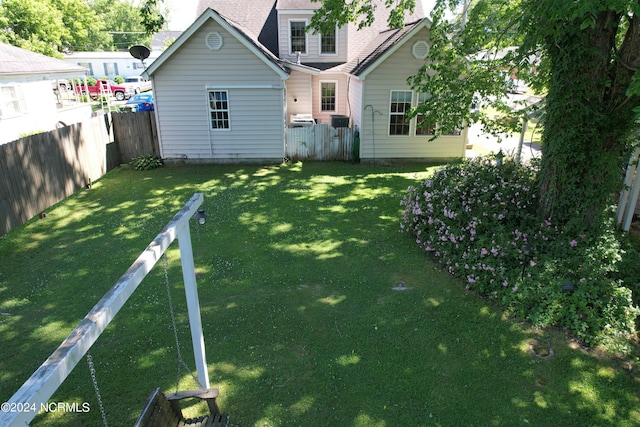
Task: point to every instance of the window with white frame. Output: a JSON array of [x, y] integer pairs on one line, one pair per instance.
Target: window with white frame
[[111, 68], [298, 36], [328, 43], [11, 101], [219, 109], [328, 96], [399, 104], [424, 126]]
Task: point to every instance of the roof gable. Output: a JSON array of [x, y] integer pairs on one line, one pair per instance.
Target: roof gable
[[383, 46], [23, 63], [241, 34], [258, 17]]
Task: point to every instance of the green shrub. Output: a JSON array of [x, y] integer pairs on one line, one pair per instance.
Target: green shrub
[[478, 219], [145, 162], [118, 79]]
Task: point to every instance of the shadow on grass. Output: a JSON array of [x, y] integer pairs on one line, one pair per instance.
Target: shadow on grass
[[295, 267]]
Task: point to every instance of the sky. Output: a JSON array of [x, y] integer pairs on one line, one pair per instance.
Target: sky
[[182, 12]]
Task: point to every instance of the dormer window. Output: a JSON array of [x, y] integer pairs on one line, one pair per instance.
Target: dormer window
[[298, 36], [328, 44]]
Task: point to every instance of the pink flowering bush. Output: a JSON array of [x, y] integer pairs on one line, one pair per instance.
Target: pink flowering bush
[[478, 220]]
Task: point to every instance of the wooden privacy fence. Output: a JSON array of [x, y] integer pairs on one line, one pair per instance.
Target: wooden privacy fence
[[135, 134], [38, 171], [320, 142]]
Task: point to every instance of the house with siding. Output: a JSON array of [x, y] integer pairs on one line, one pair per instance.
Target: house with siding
[[229, 87], [34, 93]]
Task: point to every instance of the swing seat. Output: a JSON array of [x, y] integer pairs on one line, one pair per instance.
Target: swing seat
[[164, 410]]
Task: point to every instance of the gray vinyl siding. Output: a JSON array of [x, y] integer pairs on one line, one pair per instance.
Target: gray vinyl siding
[[256, 114], [392, 75]]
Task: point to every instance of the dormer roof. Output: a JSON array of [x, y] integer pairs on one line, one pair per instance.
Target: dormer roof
[[260, 18]]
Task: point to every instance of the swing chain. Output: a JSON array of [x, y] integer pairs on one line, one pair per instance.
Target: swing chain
[[181, 362], [92, 370]]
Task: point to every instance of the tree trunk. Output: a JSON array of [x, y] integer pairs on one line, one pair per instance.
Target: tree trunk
[[587, 120]]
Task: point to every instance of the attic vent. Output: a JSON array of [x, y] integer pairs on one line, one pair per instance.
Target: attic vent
[[420, 49], [214, 41]]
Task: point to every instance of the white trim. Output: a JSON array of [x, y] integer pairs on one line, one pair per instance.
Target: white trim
[[395, 114], [224, 87], [296, 11], [320, 45], [335, 82], [306, 36], [228, 110]]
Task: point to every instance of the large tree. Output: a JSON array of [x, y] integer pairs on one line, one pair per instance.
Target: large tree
[[123, 21], [34, 25], [582, 55], [54, 27]]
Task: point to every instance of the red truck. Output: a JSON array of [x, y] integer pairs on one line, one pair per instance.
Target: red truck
[[119, 92]]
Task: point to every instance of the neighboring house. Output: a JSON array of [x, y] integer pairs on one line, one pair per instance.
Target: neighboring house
[[228, 87], [121, 63], [34, 95], [110, 64]]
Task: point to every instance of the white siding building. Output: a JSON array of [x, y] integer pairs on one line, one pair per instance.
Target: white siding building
[[219, 96]]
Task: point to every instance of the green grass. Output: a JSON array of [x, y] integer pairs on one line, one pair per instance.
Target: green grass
[[295, 268]]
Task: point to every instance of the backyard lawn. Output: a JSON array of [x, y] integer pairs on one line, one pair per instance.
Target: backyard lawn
[[296, 267]]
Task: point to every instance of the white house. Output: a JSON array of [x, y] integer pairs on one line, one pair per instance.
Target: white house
[[110, 64], [121, 63], [231, 83], [31, 100]]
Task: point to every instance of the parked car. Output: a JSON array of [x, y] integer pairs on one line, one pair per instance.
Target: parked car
[[137, 84], [105, 86], [140, 102]]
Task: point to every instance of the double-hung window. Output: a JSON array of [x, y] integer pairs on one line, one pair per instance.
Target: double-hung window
[[298, 36], [110, 68], [398, 107], [11, 101], [328, 96], [424, 126], [219, 109], [328, 44]]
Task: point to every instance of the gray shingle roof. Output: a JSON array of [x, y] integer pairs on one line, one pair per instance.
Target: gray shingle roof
[[259, 17], [377, 47], [17, 61]]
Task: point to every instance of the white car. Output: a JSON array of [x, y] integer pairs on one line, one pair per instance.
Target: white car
[[136, 84]]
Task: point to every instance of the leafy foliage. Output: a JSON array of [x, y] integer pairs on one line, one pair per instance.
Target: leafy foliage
[[54, 27], [145, 162], [582, 56], [152, 18], [479, 220]]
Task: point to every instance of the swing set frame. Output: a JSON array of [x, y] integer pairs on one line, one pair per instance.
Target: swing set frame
[[39, 388]]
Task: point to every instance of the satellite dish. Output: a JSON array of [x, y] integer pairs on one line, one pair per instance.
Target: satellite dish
[[139, 52]]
